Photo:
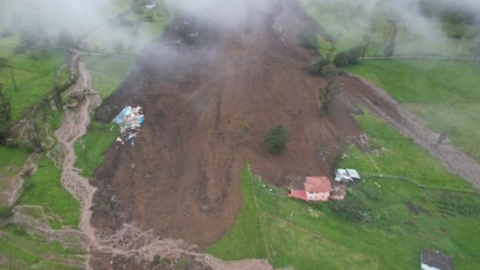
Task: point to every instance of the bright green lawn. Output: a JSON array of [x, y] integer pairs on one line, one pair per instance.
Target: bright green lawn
[[35, 76], [435, 81], [12, 156], [445, 93], [21, 250], [47, 191], [91, 148]]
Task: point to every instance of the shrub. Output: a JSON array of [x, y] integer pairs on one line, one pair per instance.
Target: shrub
[[341, 59], [391, 216], [317, 67], [371, 190], [276, 139], [353, 55], [353, 207], [5, 212]]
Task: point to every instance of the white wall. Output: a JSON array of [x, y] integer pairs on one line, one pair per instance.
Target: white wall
[[426, 267]]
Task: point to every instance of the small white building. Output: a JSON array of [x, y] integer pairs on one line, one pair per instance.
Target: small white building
[[347, 175], [435, 260]]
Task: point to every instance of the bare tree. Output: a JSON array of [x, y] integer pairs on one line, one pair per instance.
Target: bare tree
[[5, 105], [34, 136], [5, 114], [57, 97], [14, 80], [328, 93]]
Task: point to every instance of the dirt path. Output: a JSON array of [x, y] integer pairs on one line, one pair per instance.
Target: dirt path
[[412, 126]]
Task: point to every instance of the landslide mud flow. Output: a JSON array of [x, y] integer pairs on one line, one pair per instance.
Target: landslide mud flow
[[210, 94]]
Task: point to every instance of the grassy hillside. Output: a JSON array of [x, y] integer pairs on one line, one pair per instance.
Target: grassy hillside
[[351, 23], [34, 75], [444, 93], [45, 189], [19, 249], [291, 233]]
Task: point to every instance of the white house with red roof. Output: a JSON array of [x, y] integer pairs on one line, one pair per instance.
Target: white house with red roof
[[312, 188]]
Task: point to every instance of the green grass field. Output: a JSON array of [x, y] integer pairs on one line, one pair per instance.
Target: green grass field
[[19, 249], [444, 93], [45, 189], [108, 73], [290, 233], [35, 76], [91, 148]]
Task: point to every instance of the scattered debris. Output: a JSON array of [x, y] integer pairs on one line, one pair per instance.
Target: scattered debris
[[130, 120]]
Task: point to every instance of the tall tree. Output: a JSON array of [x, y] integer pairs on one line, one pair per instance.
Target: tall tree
[[328, 93], [14, 80], [57, 97], [34, 136], [5, 115], [5, 105]]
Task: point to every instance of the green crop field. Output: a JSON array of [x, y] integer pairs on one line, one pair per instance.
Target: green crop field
[[445, 93], [290, 233]]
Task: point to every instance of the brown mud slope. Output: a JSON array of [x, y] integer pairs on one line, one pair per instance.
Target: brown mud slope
[[209, 100]]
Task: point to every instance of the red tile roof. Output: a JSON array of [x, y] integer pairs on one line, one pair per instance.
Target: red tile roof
[[299, 194], [318, 184]]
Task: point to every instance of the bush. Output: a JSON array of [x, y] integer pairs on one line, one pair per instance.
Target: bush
[[341, 59], [353, 55], [5, 212], [276, 139], [350, 57], [353, 207], [317, 67], [370, 190], [391, 216]]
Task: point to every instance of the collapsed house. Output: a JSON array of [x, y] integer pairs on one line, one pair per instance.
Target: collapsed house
[[347, 175], [130, 120]]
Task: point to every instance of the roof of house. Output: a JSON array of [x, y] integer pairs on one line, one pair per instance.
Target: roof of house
[[437, 259], [318, 184], [297, 183], [353, 173], [346, 174], [299, 194]]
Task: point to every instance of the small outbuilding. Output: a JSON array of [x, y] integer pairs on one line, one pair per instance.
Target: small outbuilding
[[312, 188], [339, 192], [347, 175], [435, 260]]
